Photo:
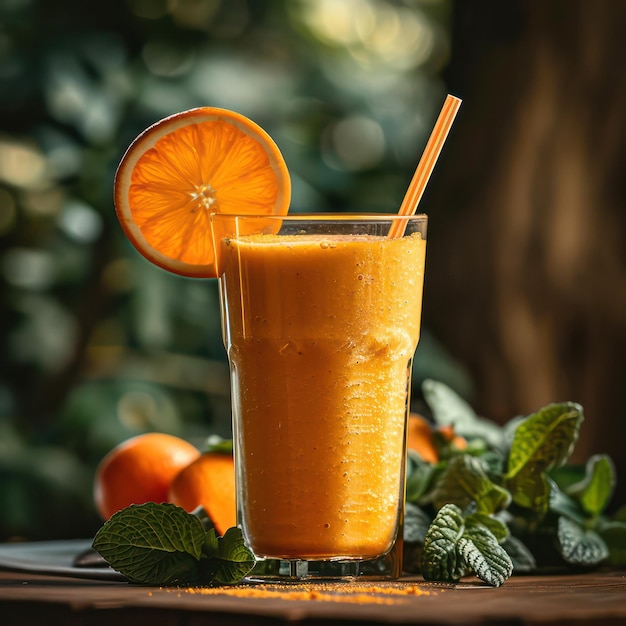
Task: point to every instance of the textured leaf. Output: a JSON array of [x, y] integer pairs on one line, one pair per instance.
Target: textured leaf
[[497, 527], [541, 442], [235, 558], [211, 544], [441, 560], [464, 482], [485, 556], [419, 480], [521, 557], [545, 439], [596, 488], [568, 474], [416, 524], [157, 544], [562, 504], [449, 409], [579, 546], [531, 490], [493, 462]]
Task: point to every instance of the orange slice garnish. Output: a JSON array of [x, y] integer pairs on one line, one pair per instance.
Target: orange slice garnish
[[187, 166]]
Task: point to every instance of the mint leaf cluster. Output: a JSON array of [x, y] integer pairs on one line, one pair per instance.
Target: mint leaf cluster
[[456, 545], [507, 500], [162, 544]]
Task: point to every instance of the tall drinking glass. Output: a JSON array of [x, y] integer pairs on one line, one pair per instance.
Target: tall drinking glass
[[321, 318]]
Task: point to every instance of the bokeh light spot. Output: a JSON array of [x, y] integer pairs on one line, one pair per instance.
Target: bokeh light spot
[[28, 268], [142, 410], [358, 142], [46, 335], [136, 410], [43, 202], [80, 221], [21, 165]]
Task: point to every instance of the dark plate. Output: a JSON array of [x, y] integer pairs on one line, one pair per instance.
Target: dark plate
[[53, 557]]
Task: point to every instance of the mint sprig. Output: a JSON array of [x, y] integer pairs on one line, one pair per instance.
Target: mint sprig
[[509, 501], [162, 544], [454, 548]]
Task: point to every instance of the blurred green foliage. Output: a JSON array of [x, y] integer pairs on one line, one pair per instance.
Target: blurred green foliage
[[98, 344]]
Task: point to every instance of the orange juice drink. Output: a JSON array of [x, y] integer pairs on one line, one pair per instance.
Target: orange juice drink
[[321, 321]]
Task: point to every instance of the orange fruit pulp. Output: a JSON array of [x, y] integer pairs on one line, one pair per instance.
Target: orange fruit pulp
[[185, 167], [209, 481], [140, 470]]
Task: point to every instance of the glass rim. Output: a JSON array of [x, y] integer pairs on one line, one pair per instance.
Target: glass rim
[[313, 217]]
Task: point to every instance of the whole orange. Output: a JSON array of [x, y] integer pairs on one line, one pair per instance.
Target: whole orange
[[209, 481], [420, 438], [140, 470]]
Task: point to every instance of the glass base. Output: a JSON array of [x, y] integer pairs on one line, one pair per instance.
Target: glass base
[[386, 567]]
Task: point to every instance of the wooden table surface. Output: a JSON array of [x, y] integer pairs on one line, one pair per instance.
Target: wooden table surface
[[591, 598]]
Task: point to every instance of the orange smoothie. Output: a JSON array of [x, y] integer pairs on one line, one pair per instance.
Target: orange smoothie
[[320, 333]]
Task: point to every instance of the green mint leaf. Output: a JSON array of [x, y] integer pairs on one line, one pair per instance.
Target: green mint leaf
[[493, 461], [614, 535], [531, 490], [497, 527], [567, 475], [579, 546], [416, 524], [449, 409], [464, 482], [235, 559], [158, 544], [420, 479], [201, 513], [562, 504], [485, 556], [545, 439], [596, 489], [452, 549], [542, 441], [441, 559], [521, 557], [211, 546]]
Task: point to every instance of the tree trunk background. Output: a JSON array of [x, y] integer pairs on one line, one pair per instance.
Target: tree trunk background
[[526, 277]]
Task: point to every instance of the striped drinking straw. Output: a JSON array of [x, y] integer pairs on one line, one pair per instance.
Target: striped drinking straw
[[427, 163]]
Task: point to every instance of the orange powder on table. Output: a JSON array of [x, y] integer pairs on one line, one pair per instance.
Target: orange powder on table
[[354, 594], [320, 332]]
